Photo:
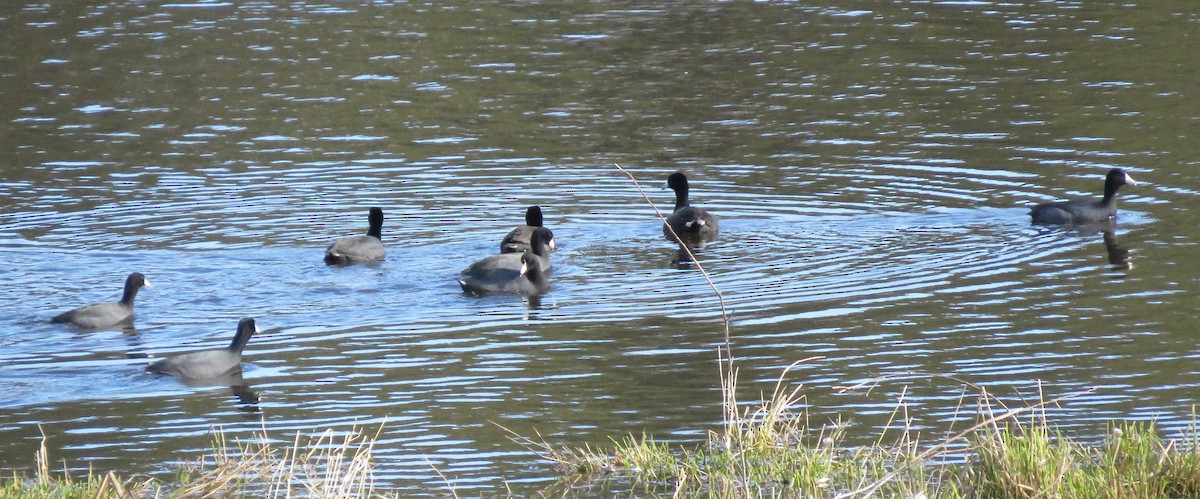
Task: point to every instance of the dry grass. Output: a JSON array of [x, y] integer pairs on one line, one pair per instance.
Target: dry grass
[[47, 483], [328, 465]]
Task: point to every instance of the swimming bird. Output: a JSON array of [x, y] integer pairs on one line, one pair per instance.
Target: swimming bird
[[107, 314], [518, 239], [208, 363], [364, 248], [525, 273], [694, 225], [1081, 211]]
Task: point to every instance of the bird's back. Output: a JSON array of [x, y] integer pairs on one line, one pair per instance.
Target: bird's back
[[355, 249], [198, 365], [1071, 212], [518, 240], [96, 315]]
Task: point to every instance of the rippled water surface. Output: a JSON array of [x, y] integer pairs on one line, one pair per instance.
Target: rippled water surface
[[872, 165]]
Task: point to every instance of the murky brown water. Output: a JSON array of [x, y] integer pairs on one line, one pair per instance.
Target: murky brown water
[[871, 163]]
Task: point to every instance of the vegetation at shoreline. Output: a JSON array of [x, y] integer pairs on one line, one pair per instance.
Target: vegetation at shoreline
[[770, 452], [767, 451], [327, 465]]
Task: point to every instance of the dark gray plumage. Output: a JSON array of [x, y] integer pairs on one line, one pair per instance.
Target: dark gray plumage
[[524, 273], [694, 225], [208, 363], [364, 248], [518, 239], [106, 314], [1081, 211]]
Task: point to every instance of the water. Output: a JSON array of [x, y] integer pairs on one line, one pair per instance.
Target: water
[[872, 165]]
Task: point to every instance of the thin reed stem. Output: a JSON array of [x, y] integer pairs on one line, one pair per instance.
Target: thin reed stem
[[692, 256]]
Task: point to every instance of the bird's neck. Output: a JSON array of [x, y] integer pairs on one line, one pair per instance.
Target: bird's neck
[[130, 294], [681, 199], [240, 340]]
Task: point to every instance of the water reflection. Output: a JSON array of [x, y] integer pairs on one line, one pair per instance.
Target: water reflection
[[127, 329], [682, 258], [1116, 252], [228, 379], [1118, 255], [693, 240], [137, 345], [247, 398], [532, 302]]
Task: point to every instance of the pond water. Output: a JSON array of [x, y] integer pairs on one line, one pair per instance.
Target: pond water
[[872, 165]]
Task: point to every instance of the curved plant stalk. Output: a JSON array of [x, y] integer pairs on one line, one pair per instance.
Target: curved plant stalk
[[725, 357]]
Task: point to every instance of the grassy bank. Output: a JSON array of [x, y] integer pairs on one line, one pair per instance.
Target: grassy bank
[[764, 452], [325, 465], [770, 452]]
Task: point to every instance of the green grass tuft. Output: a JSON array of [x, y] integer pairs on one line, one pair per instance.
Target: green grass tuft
[[1133, 462], [769, 452]]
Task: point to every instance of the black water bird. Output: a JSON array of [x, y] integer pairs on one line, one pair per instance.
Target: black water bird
[[1082, 211], [100, 315], [525, 273], [693, 225], [364, 248], [518, 239], [207, 364]]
